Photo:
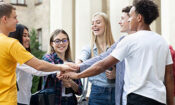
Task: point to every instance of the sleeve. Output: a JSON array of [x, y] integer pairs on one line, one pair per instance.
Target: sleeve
[[33, 71], [169, 58], [19, 53], [80, 89], [85, 53], [122, 49], [93, 60]]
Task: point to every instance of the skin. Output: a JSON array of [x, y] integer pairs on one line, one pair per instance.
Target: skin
[[136, 23], [8, 24], [60, 49], [124, 28], [26, 39], [98, 26]]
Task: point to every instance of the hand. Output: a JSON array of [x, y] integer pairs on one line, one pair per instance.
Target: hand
[[61, 77], [111, 74], [73, 65], [72, 75], [69, 67]]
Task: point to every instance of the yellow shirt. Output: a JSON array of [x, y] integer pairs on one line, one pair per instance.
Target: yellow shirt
[[11, 52]]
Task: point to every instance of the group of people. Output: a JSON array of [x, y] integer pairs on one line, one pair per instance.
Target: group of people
[[140, 62]]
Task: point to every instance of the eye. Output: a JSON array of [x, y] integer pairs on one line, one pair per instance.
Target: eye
[[98, 22], [64, 40], [57, 41]]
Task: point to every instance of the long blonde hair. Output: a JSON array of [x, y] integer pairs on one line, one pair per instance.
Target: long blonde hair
[[107, 33]]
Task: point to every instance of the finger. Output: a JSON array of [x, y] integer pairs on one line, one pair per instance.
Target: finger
[[73, 65]]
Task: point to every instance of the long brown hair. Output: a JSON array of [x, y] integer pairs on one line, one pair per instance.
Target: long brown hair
[[107, 34], [53, 35]]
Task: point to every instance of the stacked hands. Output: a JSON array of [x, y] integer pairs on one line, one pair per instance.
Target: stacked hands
[[71, 70]]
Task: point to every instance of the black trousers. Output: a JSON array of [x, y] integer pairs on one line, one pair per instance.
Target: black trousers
[[135, 99]]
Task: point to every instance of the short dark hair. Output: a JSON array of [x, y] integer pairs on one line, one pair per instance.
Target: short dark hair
[[6, 9], [148, 9], [126, 9], [18, 34]]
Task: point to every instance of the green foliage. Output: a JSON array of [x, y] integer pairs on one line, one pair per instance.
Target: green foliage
[[34, 46]]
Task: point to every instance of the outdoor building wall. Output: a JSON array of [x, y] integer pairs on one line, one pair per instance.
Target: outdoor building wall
[[62, 15], [75, 17], [168, 23], [41, 15]]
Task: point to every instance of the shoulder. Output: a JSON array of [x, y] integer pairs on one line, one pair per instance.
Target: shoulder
[[87, 47], [47, 57]]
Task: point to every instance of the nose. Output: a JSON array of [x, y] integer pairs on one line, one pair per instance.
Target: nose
[[61, 42], [28, 38], [120, 22], [16, 21]]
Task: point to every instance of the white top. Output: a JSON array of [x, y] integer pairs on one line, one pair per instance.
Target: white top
[[147, 54], [24, 79]]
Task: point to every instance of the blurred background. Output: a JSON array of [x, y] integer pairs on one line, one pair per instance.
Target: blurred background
[[74, 16]]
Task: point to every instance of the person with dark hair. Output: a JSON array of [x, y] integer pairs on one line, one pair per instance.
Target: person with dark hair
[[12, 52], [120, 95], [60, 52], [148, 74], [25, 73]]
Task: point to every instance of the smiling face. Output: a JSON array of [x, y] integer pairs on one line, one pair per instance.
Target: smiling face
[[11, 21], [26, 39], [124, 24], [133, 22], [98, 25], [60, 43]]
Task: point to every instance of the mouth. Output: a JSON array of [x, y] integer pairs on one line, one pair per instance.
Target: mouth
[[62, 47], [96, 30]]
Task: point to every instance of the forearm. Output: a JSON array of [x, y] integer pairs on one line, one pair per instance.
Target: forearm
[[170, 93], [93, 60], [43, 65], [33, 71], [169, 83], [98, 67], [74, 86]]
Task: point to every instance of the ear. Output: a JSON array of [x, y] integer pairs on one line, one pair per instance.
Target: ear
[[139, 17], [4, 19], [51, 43]]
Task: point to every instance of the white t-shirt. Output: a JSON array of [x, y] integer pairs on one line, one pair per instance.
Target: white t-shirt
[[146, 54]]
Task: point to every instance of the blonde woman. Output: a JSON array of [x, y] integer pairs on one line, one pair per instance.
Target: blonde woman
[[102, 91]]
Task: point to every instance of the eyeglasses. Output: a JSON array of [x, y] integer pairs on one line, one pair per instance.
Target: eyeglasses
[[58, 41]]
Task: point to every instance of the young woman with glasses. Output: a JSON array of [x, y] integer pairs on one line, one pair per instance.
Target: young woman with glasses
[[60, 53]]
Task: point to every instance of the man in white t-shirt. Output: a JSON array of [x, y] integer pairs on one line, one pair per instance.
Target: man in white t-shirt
[[148, 75]]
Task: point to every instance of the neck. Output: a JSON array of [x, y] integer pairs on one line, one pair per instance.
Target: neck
[[131, 32], [102, 43], [143, 27], [4, 31], [61, 56]]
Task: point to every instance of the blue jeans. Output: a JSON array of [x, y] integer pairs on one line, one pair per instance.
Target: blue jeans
[[102, 95]]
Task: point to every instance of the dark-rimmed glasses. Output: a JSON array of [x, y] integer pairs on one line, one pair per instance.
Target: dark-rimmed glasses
[[58, 41]]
